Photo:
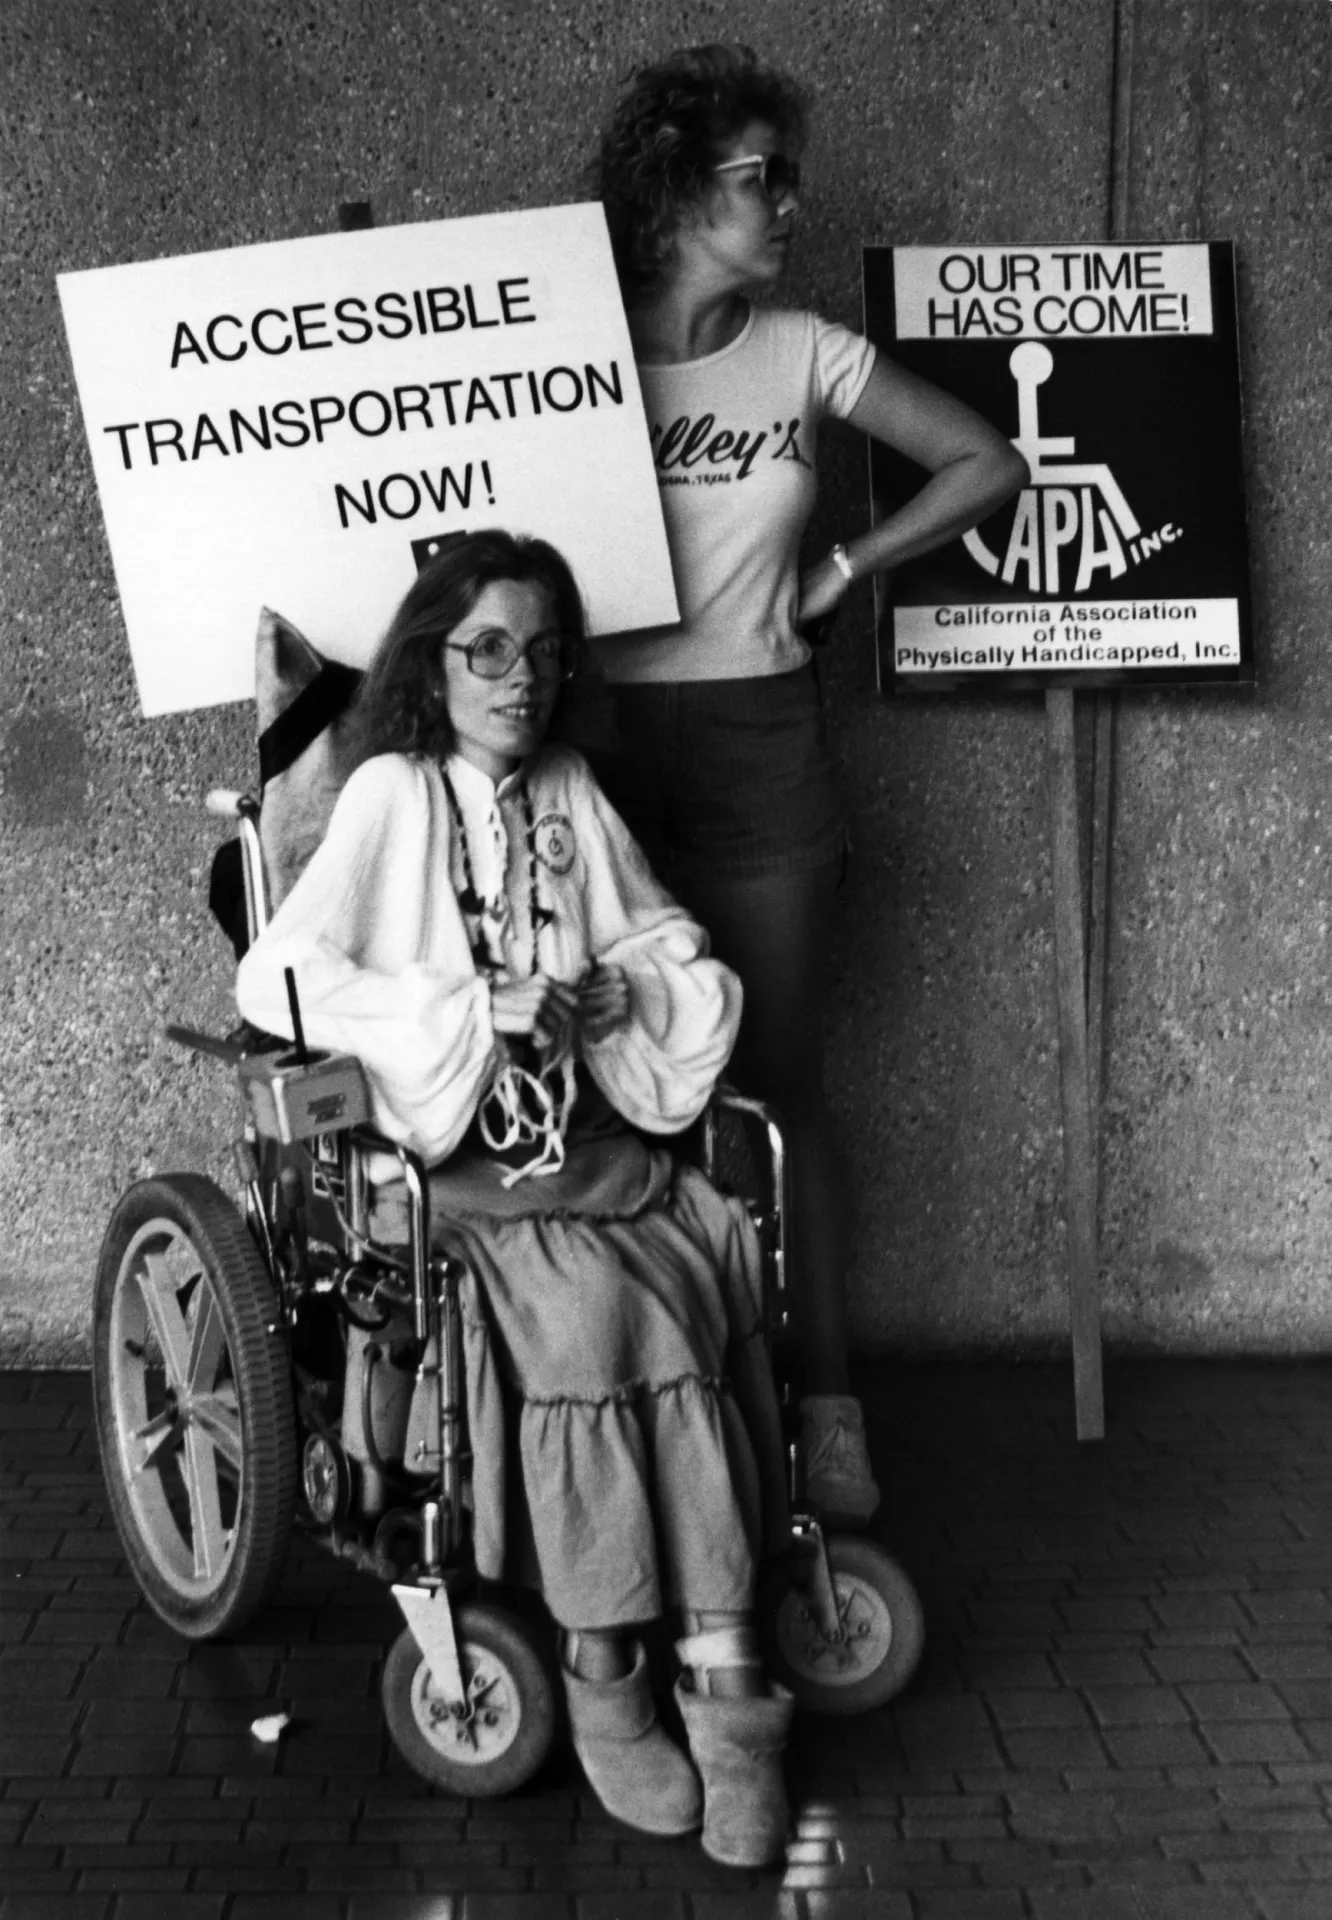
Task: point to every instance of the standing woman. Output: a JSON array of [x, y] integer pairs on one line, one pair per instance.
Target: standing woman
[[723, 770]]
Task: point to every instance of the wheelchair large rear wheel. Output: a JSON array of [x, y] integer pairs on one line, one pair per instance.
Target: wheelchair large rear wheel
[[192, 1392], [495, 1740], [880, 1637]]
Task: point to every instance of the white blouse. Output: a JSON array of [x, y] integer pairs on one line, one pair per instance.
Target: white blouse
[[384, 964]]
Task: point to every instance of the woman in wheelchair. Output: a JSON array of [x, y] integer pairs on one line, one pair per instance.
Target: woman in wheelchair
[[534, 1013]]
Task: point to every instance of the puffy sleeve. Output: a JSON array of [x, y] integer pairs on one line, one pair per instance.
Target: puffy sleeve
[[660, 1065], [383, 969]]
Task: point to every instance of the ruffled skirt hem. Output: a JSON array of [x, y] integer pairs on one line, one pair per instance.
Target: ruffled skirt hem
[[617, 1385]]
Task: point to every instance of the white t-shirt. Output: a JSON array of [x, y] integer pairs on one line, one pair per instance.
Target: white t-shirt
[[734, 438]]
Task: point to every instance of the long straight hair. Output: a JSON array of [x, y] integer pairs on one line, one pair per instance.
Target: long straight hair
[[402, 704]]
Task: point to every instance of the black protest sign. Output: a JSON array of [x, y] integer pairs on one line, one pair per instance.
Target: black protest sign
[[1115, 371]]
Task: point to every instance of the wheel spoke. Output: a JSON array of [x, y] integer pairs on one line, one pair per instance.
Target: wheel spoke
[[218, 1417], [161, 1296], [208, 1340], [480, 1684], [209, 1534], [148, 1445]]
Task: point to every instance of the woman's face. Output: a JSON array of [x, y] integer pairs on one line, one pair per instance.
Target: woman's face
[[497, 723], [737, 235]]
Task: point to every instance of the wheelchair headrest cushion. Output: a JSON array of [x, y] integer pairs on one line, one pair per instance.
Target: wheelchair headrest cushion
[[304, 746]]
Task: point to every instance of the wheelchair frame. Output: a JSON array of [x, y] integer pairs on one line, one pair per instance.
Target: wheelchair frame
[[840, 1600]]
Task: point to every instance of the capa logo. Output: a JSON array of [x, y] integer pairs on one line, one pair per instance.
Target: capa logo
[[1069, 505]]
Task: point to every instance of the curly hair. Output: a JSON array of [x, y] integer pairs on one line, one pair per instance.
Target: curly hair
[[402, 704], [663, 140]]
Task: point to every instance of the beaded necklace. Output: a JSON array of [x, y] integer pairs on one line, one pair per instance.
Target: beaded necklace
[[523, 1106], [470, 902]]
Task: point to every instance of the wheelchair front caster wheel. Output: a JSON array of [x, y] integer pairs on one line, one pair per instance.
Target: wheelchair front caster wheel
[[192, 1395], [876, 1646], [493, 1741]]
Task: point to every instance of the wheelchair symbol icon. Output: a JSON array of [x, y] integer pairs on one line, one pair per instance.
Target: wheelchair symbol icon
[[1070, 488]]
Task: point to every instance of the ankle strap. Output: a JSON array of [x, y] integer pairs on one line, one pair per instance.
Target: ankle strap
[[704, 1653]]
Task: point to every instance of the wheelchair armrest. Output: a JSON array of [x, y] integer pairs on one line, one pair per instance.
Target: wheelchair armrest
[[370, 1140], [775, 1215], [363, 1141], [726, 1099]]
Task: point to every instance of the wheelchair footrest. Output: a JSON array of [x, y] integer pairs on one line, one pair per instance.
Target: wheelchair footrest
[[428, 1612]]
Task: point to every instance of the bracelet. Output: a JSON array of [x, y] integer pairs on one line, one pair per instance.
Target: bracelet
[[841, 559]]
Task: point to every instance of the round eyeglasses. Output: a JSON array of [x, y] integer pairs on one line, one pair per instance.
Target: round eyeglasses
[[493, 655], [778, 176]]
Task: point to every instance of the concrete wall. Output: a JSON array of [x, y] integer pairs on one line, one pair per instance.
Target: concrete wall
[[139, 128]]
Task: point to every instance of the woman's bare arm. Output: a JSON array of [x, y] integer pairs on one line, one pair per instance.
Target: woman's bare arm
[[973, 469]]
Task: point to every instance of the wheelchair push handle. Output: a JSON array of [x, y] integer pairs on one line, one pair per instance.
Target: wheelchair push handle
[[191, 1037], [226, 804]]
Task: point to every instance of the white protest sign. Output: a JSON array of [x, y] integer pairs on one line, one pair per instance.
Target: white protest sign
[[291, 424]]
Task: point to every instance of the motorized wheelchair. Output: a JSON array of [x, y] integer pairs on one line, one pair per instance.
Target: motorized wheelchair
[[255, 1374]]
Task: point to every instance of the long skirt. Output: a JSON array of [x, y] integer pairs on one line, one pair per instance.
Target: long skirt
[[623, 1425]]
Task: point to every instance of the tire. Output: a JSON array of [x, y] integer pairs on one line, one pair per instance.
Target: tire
[[193, 1402], [509, 1730], [884, 1622]]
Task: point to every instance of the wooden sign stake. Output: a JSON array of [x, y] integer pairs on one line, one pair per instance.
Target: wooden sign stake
[[1075, 1072], [1082, 920]]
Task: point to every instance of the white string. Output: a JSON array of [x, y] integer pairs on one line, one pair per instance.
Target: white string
[[508, 1120]]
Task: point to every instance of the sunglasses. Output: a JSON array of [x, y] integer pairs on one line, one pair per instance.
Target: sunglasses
[[778, 177], [493, 655]]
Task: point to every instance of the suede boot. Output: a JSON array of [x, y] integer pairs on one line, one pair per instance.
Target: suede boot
[[839, 1481], [737, 1747], [636, 1771]]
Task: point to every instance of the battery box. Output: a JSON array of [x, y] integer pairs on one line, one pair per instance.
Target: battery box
[[293, 1096]]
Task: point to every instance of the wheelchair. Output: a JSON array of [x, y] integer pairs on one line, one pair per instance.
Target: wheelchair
[[281, 1368]]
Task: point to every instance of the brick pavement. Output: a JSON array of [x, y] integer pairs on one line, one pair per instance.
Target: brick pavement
[[1125, 1711]]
